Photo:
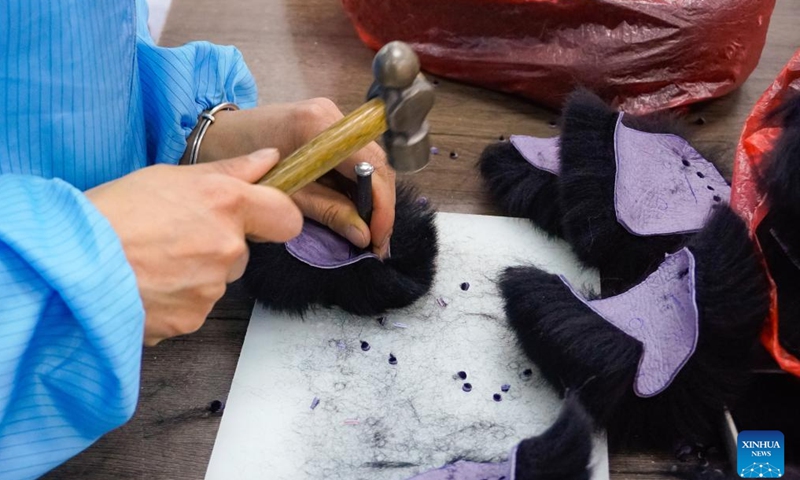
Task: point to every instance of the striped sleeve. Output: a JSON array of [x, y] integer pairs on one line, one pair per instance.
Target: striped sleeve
[[179, 83], [71, 326]]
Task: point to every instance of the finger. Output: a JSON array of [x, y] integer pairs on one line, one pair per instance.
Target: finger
[[237, 269], [383, 194], [249, 168], [269, 215], [333, 210]]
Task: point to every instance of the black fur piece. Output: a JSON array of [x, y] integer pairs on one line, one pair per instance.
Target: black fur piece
[[779, 232], [519, 188], [368, 287], [782, 175], [586, 187], [776, 233], [577, 349], [562, 452]]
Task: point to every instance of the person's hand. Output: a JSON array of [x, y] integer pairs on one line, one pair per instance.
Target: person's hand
[[290, 126], [183, 230]]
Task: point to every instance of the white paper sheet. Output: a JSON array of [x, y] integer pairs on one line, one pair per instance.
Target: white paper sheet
[[380, 421]]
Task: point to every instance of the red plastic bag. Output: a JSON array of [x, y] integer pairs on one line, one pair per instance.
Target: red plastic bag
[[643, 54], [750, 200]]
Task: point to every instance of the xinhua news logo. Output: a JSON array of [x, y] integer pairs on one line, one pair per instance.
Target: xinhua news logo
[[760, 454]]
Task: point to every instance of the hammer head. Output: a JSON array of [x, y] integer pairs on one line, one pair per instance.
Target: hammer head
[[408, 97]]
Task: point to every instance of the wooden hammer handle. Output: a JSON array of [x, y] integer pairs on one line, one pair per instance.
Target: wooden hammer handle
[[329, 148]]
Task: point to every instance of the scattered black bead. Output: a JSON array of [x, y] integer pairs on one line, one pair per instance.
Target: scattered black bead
[[435, 81], [502, 138], [527, 372], [685, 162], [505, 387], [710, 187], [552, 123], [497, 397], [683, 453], [453, 155], [465, 286], [462, 375], [467, 387], [700, 121], [701, 175], [216, 406], [365, 346], [717, 198], [392, 359]]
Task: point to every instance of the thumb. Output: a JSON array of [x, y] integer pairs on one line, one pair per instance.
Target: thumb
[[248, 168]]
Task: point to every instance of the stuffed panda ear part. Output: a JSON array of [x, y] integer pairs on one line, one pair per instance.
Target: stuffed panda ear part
[[320, 268], [622, 189], [562, 452], [521, 176], [629, 196], [661, 360]]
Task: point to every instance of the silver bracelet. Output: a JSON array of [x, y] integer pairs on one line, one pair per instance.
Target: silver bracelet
[[203, 122]]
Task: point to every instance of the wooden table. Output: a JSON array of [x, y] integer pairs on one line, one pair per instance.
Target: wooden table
[[299, 49]]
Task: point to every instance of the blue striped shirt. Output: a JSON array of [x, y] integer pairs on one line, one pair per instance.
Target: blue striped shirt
[[85, 97]]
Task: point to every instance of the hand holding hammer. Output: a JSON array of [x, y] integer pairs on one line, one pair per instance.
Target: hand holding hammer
[[398, 104]]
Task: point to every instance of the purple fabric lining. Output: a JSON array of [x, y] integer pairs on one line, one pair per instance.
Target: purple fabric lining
[[542, 153], [663, 185], [463, 470], [321, 247], [660, 312]]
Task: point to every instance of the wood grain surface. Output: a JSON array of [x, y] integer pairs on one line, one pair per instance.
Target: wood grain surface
[[299, 49]]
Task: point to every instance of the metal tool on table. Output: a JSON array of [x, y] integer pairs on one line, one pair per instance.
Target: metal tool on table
[[397, 107]]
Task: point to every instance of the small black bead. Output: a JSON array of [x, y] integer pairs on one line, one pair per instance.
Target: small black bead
[[462, 375], [365, 346], [528, 372], [453, 155], [497, 397], [685, 162], [465, 286], [392, 359], [216, 406], [505, 387], [467, 387]]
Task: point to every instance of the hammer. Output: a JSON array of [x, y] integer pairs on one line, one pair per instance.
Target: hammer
[[397, 105]]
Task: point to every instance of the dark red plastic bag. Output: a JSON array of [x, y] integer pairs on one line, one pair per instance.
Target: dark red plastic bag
[[643, 54], [750, 200]]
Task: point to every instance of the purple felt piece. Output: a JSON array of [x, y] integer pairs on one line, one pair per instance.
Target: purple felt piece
[[663, 185], [660, 312], [321, 247], [542, 153], [463, 470]]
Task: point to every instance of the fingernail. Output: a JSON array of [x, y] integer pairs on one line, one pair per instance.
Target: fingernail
[[383, 250], [356, 236], [264, 154]]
